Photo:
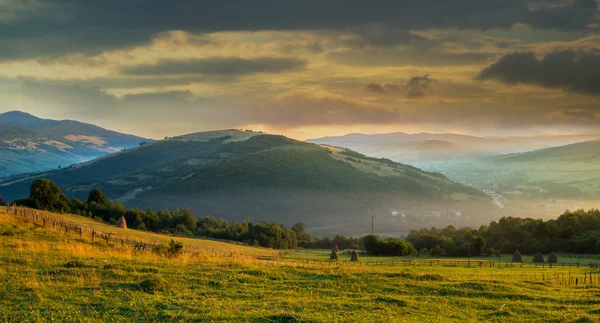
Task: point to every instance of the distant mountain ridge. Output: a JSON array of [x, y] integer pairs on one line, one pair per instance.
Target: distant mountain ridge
[[413, 148], [242, 174], [565, 171], [32, 144]]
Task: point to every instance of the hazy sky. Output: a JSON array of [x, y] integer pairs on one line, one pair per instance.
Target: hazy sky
[[305, 68]]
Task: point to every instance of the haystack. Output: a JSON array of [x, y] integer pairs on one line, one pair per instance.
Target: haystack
[[517, 257], [334, 255], [121, 223], [335, 247], [552, 257], [538, 258], [354, 256]]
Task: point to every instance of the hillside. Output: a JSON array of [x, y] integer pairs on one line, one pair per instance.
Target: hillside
[[245, 175], [426, 153], [30, 144], [565, 171], [413, 148]]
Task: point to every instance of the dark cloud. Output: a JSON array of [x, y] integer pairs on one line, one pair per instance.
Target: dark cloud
[[227, 66], [416, 87], [67, 26], [573, 71]]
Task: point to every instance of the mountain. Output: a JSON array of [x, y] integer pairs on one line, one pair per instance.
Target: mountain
[[420, 149], [31, 144], [249, 175], [566, 171], [425, 153]]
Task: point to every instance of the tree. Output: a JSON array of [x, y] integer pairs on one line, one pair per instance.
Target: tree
[[2, 201], [46, 195], [97, 196], [477, 246]]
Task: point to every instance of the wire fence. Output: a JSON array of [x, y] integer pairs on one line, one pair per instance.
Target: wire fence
[[55, 222]]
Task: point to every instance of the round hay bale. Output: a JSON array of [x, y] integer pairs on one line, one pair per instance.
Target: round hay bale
[[538, 258], [354, 256], [517, 257], [121, 223], [552, 257], [334, 255]]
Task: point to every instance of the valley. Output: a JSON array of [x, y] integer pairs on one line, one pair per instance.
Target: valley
[[243, 175]]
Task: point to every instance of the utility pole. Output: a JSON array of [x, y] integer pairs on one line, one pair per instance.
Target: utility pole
[[372, 224]]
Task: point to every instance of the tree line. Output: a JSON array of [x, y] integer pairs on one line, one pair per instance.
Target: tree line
[[46, 195], [572, 232]]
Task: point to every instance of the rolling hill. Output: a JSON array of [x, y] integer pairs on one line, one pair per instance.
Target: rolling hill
[[30, 144], [437, 151], [566, 171], [249, 175]]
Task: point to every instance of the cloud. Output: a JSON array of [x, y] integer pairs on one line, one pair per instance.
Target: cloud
[[572, 71], [177, 112], [91, 27], [416, 87], [226, 66]]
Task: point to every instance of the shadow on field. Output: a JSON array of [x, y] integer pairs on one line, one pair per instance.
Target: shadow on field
[[281, 318]]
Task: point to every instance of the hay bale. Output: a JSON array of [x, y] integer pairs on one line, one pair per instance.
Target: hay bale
[[354, 256], [552, 257], [517, 257], [334, 255], [538, 258], [121, 223]]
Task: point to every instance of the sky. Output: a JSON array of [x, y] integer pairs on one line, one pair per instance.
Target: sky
[[305, 68]]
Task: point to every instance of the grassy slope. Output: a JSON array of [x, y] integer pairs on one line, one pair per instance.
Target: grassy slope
[[47, 276], [572, 170]]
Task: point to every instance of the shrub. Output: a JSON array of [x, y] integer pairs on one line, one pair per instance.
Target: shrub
[[153, 284], [175, 248]]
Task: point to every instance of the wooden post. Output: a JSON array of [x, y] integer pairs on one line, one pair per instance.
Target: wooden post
[[80, 232], [93, 235]]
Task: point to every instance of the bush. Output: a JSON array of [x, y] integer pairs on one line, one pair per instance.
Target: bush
[[175, 248], [153, 284]]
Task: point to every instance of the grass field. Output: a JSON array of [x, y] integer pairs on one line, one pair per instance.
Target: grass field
[[323, 255], [47, 275]]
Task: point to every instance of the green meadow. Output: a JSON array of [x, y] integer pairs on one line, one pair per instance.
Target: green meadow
[[49, 275]]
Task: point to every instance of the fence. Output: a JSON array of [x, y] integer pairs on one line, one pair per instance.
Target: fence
[[55, 222]]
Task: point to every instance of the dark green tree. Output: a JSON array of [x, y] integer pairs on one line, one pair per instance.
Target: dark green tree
[[97, 196], [477, 246], [46, 195]]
